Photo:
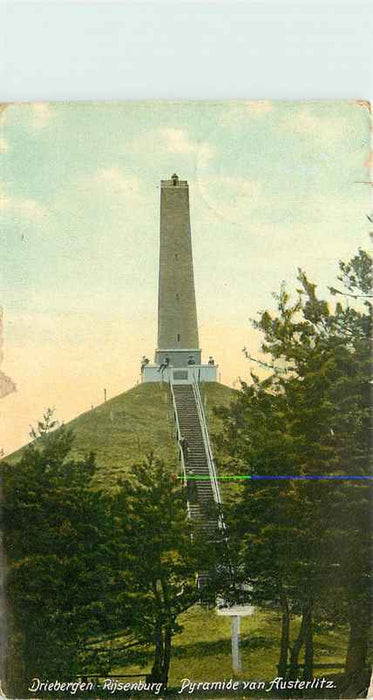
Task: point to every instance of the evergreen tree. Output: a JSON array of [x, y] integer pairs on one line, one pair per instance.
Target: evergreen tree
[[94, 579], [306, 544], [55, 535], [156, 557]]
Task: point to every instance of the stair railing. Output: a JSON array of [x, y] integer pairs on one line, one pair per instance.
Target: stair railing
[[178, 436], [208, 450]]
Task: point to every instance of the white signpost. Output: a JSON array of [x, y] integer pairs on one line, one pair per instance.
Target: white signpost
[[236, 612]]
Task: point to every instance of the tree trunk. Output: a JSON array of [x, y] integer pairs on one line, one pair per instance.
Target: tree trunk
[[156, 672], [295, 651], [16, 677], [167, 633], [285, 637], [357, 647], [308, 642], [166, 654]]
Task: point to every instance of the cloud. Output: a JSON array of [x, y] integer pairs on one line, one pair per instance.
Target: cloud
[[32, 116], [258, 107], [325, 129], [109, 192], [178, 141], [118, 181], [230, 198], [3, 145], [25, 207], [29, 208], [175, 141], [240, 112]]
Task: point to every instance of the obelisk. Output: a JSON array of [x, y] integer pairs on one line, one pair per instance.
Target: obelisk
[[177, 311]]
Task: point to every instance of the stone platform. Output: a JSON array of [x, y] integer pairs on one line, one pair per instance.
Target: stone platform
[[180, 375]]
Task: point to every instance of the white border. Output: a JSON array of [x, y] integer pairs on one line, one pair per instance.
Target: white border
[[178, 49]]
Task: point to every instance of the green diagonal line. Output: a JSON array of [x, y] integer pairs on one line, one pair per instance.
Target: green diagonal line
[[206, 477], [281, 477]]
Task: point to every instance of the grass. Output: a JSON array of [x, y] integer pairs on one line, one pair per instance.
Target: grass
[[202, 652], [123, 430]]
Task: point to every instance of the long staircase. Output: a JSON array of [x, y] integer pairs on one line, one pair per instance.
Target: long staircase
[[203, 495], [204, 501]]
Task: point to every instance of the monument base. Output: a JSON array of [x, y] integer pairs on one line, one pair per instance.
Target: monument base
[[178, 357], [180, 375]]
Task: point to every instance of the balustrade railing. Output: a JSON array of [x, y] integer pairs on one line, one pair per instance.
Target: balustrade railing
[[209, 454], [178, 437]]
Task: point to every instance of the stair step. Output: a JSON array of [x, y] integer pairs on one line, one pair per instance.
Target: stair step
[[197, 462]]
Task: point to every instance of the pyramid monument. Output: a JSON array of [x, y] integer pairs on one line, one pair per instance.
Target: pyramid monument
[[178, 355]]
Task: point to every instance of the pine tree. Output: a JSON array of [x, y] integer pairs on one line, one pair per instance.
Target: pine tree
[[306, 543], [55, 546], [156, 557]]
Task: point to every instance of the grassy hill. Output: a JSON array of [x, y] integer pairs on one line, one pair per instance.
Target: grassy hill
[[125, 429]]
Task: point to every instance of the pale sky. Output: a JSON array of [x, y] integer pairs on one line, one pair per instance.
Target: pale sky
[[273, 186]]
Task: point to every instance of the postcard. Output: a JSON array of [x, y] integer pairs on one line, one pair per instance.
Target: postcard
[[185, 379]]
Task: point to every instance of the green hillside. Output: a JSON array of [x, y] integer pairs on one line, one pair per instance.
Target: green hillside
[[125, 429]]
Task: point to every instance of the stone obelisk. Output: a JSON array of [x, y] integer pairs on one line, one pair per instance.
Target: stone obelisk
[[177, 311], [178, 355]]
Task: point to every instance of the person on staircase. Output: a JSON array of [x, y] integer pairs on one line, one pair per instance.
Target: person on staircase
[[192, 492], [184, 444]]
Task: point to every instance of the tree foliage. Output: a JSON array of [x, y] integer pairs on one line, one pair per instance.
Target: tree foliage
[[55, 541], [94, 579], [156, 557], [306, 544]]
